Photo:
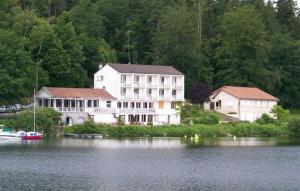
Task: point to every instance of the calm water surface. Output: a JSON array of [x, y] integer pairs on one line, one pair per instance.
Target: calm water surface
[[151, 164]]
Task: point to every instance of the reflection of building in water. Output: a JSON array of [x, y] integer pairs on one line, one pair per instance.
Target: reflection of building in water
[[159, 143]]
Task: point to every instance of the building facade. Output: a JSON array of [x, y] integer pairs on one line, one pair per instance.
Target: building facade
[[79, 104], [146, 94], [122, 93], [243, 103]]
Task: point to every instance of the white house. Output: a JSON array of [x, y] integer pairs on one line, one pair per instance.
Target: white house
[[79, 104], [244, 103], [146, 94]]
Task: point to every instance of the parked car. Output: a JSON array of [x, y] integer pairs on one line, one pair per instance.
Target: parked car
[[18, 107], [3, 109]]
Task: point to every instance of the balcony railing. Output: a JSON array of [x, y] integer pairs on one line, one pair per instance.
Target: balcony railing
[[70, 109], [104, 110], [137, 110]]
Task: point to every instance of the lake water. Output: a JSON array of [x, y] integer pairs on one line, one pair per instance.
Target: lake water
[[170, 164]]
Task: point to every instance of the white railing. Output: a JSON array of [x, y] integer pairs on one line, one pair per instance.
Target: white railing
[[136, 110], [70, 109], [104, 110]]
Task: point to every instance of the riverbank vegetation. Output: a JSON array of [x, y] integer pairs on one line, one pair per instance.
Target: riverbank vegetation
[[217, 130], [205, 124], [47, 121]]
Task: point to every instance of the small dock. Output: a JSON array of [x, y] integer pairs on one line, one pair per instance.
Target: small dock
[[85, 136]]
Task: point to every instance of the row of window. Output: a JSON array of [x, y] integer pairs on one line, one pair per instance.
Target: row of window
[[71, 103], [126, 105], [253, 103], [149, 79], [136, 91]]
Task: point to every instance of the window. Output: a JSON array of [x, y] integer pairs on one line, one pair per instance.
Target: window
[[46, 102], [173, 105], [136, 91], [89, 103], [145, 105], [108, 104], [73, 104], [96, 103], [66, 103], [174, 93], [162, 80], [219, 104], [151, 105], [161, 104], [123, 79], [149, 91], [161, 92], [136, 79], [123, 91], [119, 105], [125, 104], [132, 104], [144, 118], [58, 103], [100, 78], [174, 80], [51, 103], [149, 79], [138, 104]]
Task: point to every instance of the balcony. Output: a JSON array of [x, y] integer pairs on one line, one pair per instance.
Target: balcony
[[137, 111], [126, 84], [104, 110], [152, 85], [70, 109], [177, 86], [151, 97]]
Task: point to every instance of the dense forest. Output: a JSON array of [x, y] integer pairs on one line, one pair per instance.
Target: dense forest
[[213, 42]]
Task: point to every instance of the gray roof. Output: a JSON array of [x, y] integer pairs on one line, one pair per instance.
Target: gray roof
[[145, 69]]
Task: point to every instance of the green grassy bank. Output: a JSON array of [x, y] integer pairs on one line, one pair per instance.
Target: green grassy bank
[[218, 130]]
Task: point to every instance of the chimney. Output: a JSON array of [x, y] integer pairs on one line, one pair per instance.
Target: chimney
[[100, 66]]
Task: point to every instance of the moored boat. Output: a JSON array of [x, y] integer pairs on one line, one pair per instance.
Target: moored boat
[[32, 136]]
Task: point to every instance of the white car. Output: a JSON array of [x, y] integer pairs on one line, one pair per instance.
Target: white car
[[3, 109]]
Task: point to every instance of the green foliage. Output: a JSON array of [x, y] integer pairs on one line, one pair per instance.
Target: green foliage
[[250, 43], [10, 123], [280, 113], [294, 127], [196, 115], [220, 130], [265, 119], [46, 120], [256, 130]]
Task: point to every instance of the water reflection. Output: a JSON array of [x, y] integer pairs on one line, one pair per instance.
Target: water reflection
[[242, 141], [155, 143]]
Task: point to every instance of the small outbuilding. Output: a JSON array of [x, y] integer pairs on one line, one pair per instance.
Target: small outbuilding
[[243, 103]]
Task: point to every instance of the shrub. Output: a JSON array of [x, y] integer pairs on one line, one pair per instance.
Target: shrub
[[265, 119], [294, 127], [280, 113]]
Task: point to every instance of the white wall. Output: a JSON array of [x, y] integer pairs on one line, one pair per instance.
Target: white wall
[[111, 80], [250, 110]]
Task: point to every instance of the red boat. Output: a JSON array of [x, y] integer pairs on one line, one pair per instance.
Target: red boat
[[32, 136]]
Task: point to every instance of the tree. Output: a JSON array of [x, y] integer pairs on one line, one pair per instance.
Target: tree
[[243, 50], [280, 113], [176, 43], [199, 92], [46, 120], [15, 68], [286, 14], [285, 58]]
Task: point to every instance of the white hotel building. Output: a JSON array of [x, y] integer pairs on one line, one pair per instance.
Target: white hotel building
[[146, 94], [122, 93]]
